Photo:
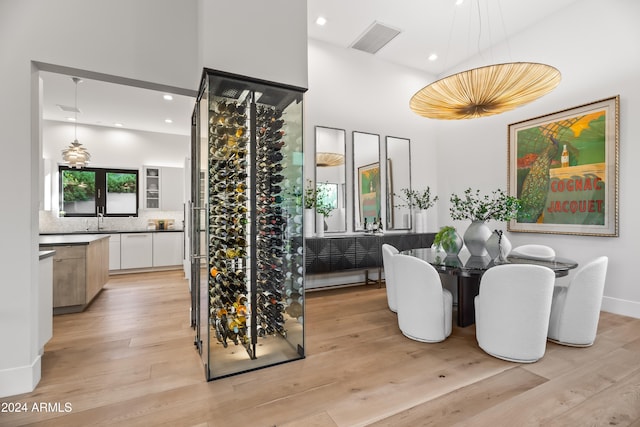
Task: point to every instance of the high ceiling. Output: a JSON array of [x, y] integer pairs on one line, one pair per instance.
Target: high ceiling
[[453, 32], [104, 104]]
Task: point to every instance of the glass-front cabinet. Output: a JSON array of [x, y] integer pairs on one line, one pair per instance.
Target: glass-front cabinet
[[247, 224], [152, 188]]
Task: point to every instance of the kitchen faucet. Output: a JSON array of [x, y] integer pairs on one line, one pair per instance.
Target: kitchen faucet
[[100, 218]]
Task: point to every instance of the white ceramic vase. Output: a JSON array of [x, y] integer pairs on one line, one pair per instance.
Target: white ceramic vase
[[498, 246], [309, 222], [319, 225], [420, 221], [475, 238]]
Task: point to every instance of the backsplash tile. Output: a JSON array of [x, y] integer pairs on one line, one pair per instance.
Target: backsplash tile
[[51, 223]]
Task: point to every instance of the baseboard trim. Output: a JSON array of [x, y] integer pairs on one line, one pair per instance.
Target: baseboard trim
[[23, 379], [144, 270], [621, 307]]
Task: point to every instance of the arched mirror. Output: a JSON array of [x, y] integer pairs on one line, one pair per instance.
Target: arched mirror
[[398, 177], [331, 175], [367, 191]]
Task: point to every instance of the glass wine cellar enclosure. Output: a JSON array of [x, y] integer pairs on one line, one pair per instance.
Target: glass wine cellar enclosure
[[247, 267]]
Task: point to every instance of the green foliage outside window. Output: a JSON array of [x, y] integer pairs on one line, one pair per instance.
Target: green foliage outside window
[[78, 186], [121, 183]]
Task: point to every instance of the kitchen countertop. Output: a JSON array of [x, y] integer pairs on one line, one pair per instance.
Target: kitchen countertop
[[85, 232], [71, 239], [46, 254]]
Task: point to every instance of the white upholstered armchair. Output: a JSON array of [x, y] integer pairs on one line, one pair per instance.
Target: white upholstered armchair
[[575, 310], [388, 252], [424, 307], [512, 311], [534, 252]]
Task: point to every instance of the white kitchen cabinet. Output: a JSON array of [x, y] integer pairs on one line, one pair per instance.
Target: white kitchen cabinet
[[151, 187], [114, 252], [172, 189], [167, 248], [164, 188], [136, 250]]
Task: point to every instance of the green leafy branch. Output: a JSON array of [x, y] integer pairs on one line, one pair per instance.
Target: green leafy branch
[[418, 199], [317, 198], [476, 207]]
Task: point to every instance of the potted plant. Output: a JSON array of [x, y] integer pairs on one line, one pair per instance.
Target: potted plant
[[315, 198], [479, 208], [449, 240], [421, 201]]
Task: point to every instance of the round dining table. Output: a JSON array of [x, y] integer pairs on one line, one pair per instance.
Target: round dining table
[[469, 269]]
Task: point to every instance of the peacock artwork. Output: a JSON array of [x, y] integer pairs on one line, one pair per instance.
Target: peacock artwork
[[561, 168]]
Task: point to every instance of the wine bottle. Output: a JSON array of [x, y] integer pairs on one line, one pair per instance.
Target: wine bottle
[[220, 187], [237, 163], [230, 108], [240, 131], [221, 106], [564, 158]]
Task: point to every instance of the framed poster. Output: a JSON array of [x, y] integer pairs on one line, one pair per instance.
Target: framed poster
[[564, 169], [390, 205], [369, 192]]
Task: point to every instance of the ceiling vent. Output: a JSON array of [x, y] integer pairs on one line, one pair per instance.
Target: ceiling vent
[[68, 109], [375, 38]]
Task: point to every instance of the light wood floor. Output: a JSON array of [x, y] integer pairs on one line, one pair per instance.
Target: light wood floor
[[129, 360]]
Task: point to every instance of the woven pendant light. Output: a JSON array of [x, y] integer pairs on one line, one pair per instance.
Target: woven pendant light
[[75, 155], [324, 159], [485, 91]]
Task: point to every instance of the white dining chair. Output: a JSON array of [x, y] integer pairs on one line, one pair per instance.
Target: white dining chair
[[542, 252], [575, 310], [512, 311], [389, 251], [424, 307]]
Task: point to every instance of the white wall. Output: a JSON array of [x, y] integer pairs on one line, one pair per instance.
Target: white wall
[[241, 36], [109, 148], [592, 46], [115, 37], [154, 41], [117, 148], [355, 91]]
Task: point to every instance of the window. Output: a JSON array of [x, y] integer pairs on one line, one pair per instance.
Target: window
[[93, 191]]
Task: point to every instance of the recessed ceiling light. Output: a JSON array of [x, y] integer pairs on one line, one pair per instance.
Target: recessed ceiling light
[[433, 57], [168, 121], [168, 97], [459, 2], [321, 20], [71, 119], [118, 125]]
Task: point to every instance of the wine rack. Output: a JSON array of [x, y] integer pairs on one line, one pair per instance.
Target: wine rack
[[248, 137]]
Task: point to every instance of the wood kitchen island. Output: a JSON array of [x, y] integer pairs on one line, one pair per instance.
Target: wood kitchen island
[[80, 269]]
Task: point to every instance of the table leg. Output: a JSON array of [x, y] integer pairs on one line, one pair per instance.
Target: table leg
[[468, 288]]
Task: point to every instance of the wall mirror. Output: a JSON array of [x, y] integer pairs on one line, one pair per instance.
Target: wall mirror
[[367, 192], [398, 177], [331, 174]]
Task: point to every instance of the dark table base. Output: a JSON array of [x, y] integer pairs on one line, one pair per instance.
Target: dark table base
[[468, 288]]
